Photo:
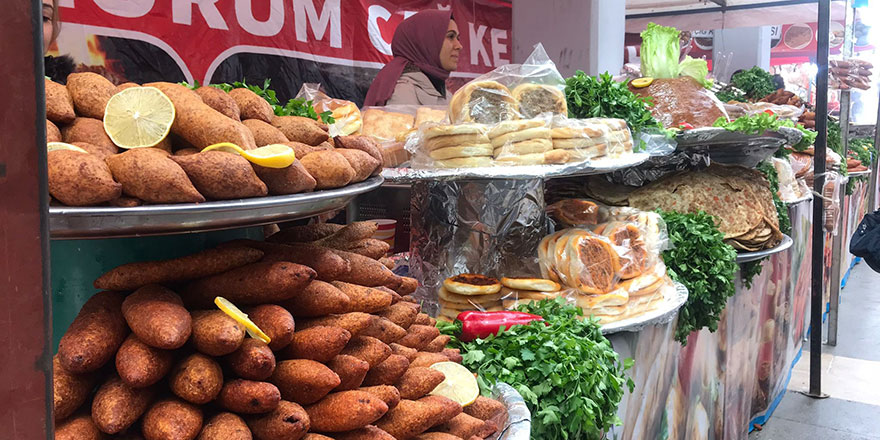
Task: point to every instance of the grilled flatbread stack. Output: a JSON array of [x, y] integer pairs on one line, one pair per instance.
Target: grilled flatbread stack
[[458, 146], [739, 199], [586, 139], [469, 292], [526, 290]]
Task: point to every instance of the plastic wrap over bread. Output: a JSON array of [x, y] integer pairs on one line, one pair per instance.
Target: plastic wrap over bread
[[346, 115], [738, 109], [595, 217]]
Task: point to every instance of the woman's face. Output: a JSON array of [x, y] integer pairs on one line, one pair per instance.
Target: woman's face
[[48, 24], [451, 48]]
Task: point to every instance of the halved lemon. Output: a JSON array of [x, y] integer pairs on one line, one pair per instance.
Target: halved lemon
[[269, 156], [52, 146], [642, 82], [460, 384], [242, 318], [138, 117]]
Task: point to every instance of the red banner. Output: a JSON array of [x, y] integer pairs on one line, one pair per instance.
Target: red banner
[[200, 34]]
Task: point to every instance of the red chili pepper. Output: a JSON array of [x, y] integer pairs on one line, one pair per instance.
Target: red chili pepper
[[769, 112], [482, 324], [686, 126]]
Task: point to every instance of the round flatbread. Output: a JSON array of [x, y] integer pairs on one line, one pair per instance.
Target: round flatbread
[[522, 135], [450, 297], [505, 127], [449, 130], [465, 162], [524, 147], [521, 159], [580, 131], [534, 99], [572, 143], [612, 123], [588, 153], [618, 297], [557, 156], [455, 140], [472, 284], [485, 102], [633, 253], [593, 263], [535, 284], [463, 151]]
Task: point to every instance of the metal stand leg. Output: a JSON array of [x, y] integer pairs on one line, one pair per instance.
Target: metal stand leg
[[836, 258]]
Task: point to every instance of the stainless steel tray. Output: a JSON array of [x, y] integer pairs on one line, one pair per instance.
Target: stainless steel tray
[[113, 222], [518, 424], [745, 257], [673, 299], [859, 173], [733, 147]]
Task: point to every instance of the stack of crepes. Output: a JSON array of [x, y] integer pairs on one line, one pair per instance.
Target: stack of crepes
[[613, 266], [739, 198], [478, 292]]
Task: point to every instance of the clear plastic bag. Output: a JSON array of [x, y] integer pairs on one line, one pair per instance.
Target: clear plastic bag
[[346, 114], [738, 109], [852, 73]]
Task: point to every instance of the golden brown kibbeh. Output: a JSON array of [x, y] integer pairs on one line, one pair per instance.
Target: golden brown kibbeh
[[361, 162], [150, 175], [264, 133], [90, 93], [294, 179], [300, 129], [91, 131], [329, 168], [219, 175], [80, 179], [346, 411], [251, 105], [225, 426], [220, 101], [53, 134], [59, 104]]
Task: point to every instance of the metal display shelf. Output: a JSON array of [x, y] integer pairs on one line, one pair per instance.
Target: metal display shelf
[[673, 298], [734, 147], [745, 257], [112, 222]]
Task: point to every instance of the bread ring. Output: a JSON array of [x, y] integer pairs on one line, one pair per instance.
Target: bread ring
[[535, 284], [472, 284]]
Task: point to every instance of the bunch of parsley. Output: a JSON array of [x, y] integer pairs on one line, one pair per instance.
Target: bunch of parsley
[[705, 264], [761, 122], [602, 97], [570, 377], [293, 107], [756, 83]]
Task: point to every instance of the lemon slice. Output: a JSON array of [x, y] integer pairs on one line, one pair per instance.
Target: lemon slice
[[460, 384], [269, 156], [242, 318], [642, 82], [52, 146], [138, 117]]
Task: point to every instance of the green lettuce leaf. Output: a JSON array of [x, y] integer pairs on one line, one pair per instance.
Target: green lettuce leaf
[[697, 69], [660, 51]]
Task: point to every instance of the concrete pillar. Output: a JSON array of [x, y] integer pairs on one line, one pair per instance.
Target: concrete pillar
[[740, 48], [577, 34]]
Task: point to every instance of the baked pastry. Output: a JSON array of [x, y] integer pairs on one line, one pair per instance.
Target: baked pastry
[[384, 125], [628, 238], [472, 284], [450, 297], [505, 127], [534, 99], [485, 102], [575, 212], [542, 133], [427, 114], [533, 284], [476, 150]]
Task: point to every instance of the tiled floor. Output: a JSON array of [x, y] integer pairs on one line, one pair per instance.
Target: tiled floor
[[850, 375]]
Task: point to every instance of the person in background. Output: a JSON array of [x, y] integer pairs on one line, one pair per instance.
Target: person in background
[[778, 82], [57, 68], [426, 48], [51, 24]]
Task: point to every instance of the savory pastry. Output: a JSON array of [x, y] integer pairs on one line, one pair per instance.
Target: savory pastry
[[472, 284], [534, 99], [485, 102]]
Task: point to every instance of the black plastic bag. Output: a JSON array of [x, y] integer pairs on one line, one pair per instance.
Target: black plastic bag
[[866, 240]]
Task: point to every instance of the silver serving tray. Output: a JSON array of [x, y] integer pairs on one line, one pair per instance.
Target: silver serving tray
[[663, 313], [518, 425], [859, 173], [745, 257], [112, 222], [736, 148], [598, 166]]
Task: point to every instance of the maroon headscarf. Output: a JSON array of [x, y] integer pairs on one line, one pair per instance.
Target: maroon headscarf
[[417, 40]]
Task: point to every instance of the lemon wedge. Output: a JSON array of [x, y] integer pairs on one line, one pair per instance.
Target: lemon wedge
[[138, 117], [642, 82], [460, 384], [269, 156], [52, 146], [242, 318]]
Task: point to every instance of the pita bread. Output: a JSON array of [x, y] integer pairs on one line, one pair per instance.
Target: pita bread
[[505, 127], [463, 151], [449, 130], [522, 135], [570, 144], [557, 156], [617, 297], [593, 263], [455, 140], [534, 99], [528, 294], [521, 159], [472, 284], [524, 147], [594, 131], [536, 284], [485, 102], [427, 114], [448, 296]]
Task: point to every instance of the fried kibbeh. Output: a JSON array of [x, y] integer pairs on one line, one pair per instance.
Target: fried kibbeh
[[117, 406], [95, 335], [150, 175], [329, 168], [249, 396], [437, 436], [402, 313], [225, 426], [199, 265], [305, 233], [413, 417], [197, 379], [293, 179], [417, 382], [219, 175], [276, 322], [318, 299], [172, 419], [53, 134], [301, 149], [287, 421], [363, 299], [484, 408], [438, 344], [140, 365], [354, 322], [126, 202], [186, 152], [424, 319], [304, 381], [59, 104], [90, 93], [70, 390], [215, 333], [90, 131], [351, 371], [157, 316], [181, 96], [202, 126], [251, 105], [254, 360], [78, 179], [453, 354], [300, 129], [80, 427], [125, 86], [385, 330], [389, 394], [360, 142], [361, 162], [425, 359], [368, 432], [319, 343], [325, 262], [419, 336], [256, 283], [100, 152], [365, 271], [369, 349], [466, 426], [388, 372], [264, 132], [346, 411], [370, 248], [220, 101], [409, 353]]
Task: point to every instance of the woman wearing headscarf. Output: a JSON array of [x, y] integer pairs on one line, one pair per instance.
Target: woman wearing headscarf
[[426, 47]]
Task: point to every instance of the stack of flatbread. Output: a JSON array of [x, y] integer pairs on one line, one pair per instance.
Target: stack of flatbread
[[739, 199], [586, 139], [458, 146], [524, 142], [469, 292], [519, 291], [642, 293]]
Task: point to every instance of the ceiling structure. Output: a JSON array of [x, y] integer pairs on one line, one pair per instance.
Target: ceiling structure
[[723, 14]]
